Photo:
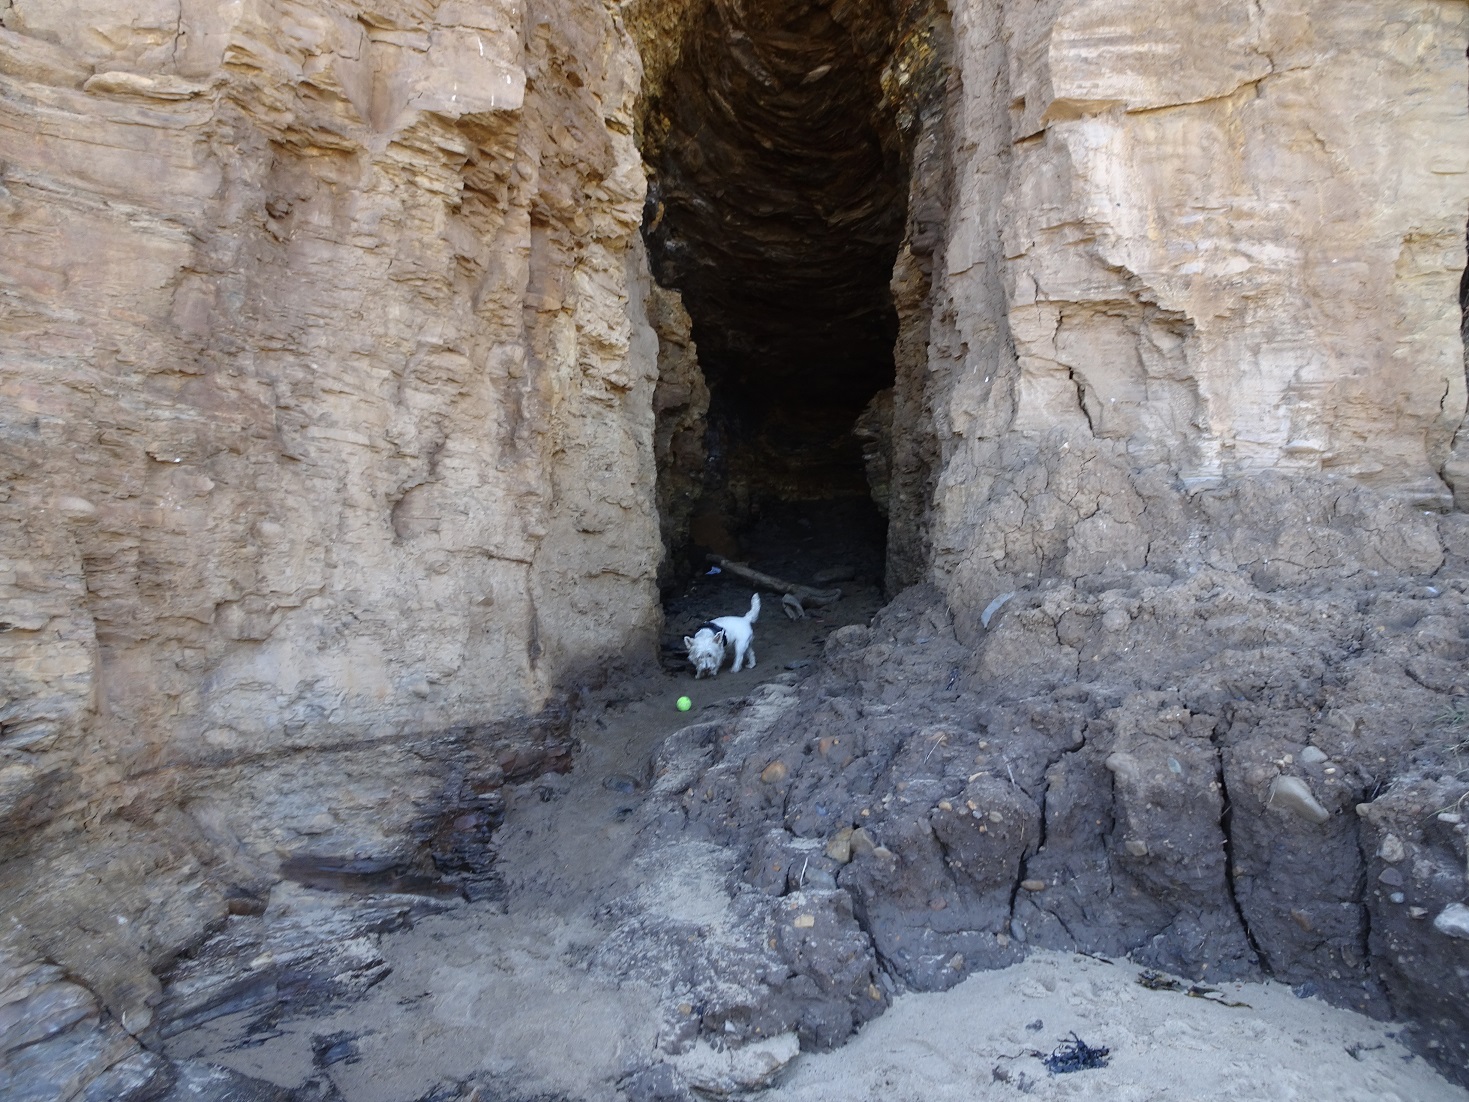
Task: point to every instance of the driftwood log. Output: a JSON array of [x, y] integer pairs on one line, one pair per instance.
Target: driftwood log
[[803, 593]]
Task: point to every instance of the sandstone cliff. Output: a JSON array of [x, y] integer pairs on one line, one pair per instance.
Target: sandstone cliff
[[327, 400], [1172, 258], [339, 414]]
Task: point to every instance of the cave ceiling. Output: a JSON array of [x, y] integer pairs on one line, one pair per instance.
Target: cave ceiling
[[776, 202]]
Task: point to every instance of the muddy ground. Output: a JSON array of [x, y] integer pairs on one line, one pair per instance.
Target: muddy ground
[[1255, 788]]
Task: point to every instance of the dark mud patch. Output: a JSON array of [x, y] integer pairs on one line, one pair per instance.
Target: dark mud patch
[[1102, 774]]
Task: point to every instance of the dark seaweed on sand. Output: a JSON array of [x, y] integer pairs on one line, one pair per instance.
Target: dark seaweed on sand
[[1075, 1055]]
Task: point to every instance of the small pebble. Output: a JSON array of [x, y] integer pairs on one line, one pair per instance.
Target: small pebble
[[775, 772], [1313, 755], [1392, 849], [839, 846], [1294, 795], [1033, 885], [1453, 920]]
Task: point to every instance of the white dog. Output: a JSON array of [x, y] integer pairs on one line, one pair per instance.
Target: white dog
[[706, 645]]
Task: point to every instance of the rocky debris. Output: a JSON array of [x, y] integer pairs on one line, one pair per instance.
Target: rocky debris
[[57, 1041], [308, 949], [1453, 921], [741, 965], [197, 1079], [658, 1083], [1424, 967], [1076, 1055], [732, 1070], [1129, 803], [1294, 795]]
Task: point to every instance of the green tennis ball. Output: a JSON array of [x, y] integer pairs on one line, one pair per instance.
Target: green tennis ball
[[684, 704]]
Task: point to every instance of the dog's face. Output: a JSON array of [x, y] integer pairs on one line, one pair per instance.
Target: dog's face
[[706, 651]]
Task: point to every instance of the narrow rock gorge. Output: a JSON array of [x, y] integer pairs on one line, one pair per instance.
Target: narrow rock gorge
[[370, 372]]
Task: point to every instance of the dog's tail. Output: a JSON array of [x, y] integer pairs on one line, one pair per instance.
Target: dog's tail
[[754, 613]]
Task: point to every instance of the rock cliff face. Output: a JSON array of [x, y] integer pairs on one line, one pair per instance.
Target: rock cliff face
[[339, 413], [1184, 254], [327, 432]]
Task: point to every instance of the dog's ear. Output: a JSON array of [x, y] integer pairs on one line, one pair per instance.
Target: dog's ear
[[688, 644], [719, 638]]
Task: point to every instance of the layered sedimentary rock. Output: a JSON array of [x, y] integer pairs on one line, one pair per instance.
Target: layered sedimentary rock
[[331, 378], [680, 406], [327, 444], [1186, 241]]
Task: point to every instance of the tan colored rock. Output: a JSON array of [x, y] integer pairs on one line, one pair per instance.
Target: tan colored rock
[[1294, 795], [680, 403], [839, 846], [326, 386], [333, 383], [875, 431], [1391, 848], [363, 352], [1216, 248], [728, 1070]]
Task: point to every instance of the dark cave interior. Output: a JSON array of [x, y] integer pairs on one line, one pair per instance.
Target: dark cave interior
[[777, 202]]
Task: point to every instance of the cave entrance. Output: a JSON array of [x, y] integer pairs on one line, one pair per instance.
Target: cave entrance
[[777, 195]]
